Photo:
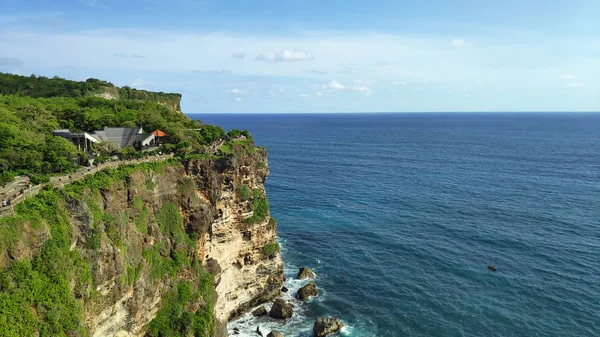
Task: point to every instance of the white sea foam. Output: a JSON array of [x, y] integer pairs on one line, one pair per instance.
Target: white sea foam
[[300, 324]]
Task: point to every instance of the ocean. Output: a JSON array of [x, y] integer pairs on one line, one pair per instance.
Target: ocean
[[399, 215]]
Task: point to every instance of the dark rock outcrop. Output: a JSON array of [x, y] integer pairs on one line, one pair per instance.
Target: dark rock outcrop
[[326, 325], [284, 289], [259, 312], [307, 291], [281, 309], [305, 273]]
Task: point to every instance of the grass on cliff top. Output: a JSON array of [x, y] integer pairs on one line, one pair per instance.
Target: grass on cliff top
[[260, 207]]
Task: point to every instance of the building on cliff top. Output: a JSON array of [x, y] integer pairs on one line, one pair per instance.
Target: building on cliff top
[[121, 137]]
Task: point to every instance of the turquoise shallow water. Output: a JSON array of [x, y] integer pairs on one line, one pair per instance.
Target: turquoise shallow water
[[399, 215]]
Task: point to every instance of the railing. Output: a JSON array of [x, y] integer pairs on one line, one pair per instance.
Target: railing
[[61, 181]]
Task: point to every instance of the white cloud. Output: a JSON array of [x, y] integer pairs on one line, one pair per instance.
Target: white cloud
[[362, 89], [334, 85], [304, 96], [567, 77], [237, 92], [402, 83], [576, 84], [238, 99], [458, 43], [285, 55], [318, 93], [359, 86]]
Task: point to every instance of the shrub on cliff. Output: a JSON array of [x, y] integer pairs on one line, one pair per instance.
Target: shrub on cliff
[[270, 249], [260, 207], [181, 314], [243, 193]]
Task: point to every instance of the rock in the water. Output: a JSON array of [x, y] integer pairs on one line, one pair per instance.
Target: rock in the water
[[304, 273], [259, 312], [326, 325], [284, 289], [307, 291], [281, 309], [275, 333]]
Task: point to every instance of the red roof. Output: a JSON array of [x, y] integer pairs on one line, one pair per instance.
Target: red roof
[[158, 133]]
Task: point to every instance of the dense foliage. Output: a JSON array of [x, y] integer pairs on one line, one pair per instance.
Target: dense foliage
[[31, 107], [39, 86]]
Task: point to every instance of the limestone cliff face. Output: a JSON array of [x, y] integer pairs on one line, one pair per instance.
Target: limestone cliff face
[[233, 247], [207, 195], [139, 234]]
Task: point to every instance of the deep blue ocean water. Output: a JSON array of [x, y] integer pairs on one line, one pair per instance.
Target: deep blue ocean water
[[400, 214]]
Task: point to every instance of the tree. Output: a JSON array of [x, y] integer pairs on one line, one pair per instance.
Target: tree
[[60, 154], [105, 148], [127, 152], [6, 177]]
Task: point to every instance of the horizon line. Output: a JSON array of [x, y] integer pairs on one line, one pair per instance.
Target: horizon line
[[394, 112]]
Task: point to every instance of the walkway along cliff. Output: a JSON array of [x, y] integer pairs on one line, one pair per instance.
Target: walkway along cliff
[[142, 250]]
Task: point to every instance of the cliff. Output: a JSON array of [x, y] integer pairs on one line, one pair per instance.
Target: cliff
[[44, 87], [151, 249]]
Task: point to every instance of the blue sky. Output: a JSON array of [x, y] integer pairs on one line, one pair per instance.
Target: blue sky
[[319, 56]]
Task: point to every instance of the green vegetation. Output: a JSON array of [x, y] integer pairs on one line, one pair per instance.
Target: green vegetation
[[27, 145], [31, 107], [45, 295], [270, 249], [171, 223], [187, 187], [176, 317], [239, 133], [260, 207], [211, 133], [141, 222], [39, 86], [243, 193], [6, 177], [40, 296]]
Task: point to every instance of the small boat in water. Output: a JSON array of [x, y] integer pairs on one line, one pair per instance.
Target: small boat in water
[[492, 267]]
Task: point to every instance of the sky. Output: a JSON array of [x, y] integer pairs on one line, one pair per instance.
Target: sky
[[266, 56]]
